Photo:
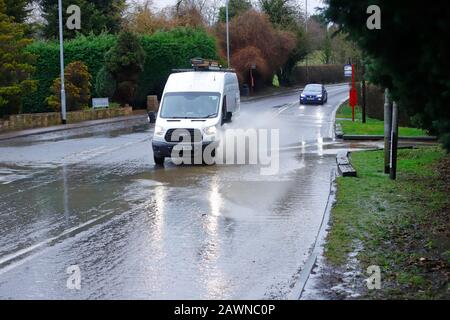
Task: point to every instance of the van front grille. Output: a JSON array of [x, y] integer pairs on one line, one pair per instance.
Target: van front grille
[[183, 135]]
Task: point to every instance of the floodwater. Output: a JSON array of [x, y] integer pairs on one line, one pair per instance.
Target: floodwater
[[93, 198]]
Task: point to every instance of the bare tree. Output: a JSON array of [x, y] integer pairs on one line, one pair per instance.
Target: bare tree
[[264, 46]]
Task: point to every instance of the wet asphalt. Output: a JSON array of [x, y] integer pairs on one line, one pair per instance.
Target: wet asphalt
[[92, 197]]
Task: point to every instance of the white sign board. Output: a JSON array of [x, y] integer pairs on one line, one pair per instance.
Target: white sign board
[[348, 70], [100, 103]]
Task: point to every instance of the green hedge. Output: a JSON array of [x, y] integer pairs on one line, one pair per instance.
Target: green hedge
[[328, 73], [164, 51], [89, 50], [168, 50]]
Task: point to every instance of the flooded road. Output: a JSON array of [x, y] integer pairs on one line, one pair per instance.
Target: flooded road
[[92, 198]]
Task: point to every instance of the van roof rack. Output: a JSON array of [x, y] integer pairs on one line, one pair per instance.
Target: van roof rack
[[200, 64]]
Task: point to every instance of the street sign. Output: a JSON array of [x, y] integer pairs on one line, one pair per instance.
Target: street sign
[[100, 103], [348, 70]]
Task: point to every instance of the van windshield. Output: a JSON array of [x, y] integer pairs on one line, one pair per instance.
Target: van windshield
[[190, 105]]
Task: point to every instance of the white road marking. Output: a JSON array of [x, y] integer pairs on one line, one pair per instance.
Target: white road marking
[[21, 252]]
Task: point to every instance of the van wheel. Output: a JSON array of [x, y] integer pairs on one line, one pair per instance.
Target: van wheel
[[158, 160], [213, 156]]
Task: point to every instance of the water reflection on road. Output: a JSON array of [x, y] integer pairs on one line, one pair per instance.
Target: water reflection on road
[[94, 199]]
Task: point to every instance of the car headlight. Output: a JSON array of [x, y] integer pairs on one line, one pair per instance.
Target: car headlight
[[319, 96], [302, 95], [159, 131], [210, 130]]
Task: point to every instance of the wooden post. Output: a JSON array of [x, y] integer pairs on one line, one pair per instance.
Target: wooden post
[[252, 80], [387, 131], [152, 103], [394, 142], [152, 108]]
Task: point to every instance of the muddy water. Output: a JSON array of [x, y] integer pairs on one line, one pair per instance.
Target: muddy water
[[94, 199]]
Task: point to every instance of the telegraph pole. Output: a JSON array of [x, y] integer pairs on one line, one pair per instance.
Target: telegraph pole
[[228, 34], [61, 59]]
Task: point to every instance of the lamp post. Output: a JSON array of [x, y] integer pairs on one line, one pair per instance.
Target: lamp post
[[228, 34], [61, 58], [306, 30]]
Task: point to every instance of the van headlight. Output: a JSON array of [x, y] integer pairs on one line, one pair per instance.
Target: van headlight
[[159, 131], [210, 130]]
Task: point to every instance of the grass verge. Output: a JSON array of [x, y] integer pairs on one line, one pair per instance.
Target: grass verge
[[371, 127], [403, 225]]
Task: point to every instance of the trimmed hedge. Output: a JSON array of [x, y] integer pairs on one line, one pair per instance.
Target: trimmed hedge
[[90, 50], [319, 74], [164, 51], [375, 104], [168, 50]]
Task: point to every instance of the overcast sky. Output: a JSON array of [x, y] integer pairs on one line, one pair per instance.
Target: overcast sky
[[312, 4]]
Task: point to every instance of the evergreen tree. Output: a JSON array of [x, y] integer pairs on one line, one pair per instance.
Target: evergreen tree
[[235, 8], [407, 55], [283, 13], [327, 51], [124, 62], [18, 9], [15, 64], [77, 84], [286, 15]]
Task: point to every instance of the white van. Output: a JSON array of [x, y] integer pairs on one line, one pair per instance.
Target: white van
[[197, 103]]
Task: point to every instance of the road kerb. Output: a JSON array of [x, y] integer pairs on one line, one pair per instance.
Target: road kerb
[[333, 116], [344, 165], [380, 137], [85, 124], [298, 289]]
